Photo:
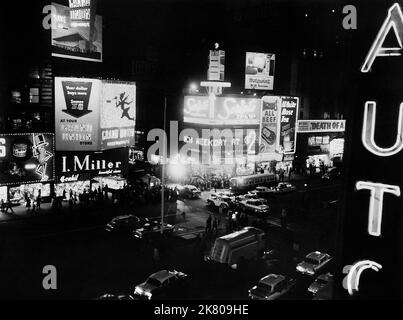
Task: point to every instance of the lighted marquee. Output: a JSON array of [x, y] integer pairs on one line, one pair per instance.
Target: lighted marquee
[[222, 110]]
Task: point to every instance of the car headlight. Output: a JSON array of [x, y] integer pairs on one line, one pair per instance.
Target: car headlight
[[138, 291], [148, 295]]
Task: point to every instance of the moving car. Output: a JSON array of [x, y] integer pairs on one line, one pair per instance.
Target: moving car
[[247, 196], [111, 296], [220, 201], [125, 224], [161, 284], [191, 192], [283, 187], [320, 283], [258, 206], [153, 229], [313, 263], [271, 287], [262, 191]]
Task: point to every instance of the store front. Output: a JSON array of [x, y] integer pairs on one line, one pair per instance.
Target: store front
[[82, 172]]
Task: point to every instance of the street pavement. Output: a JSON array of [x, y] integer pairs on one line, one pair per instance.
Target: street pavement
[[90, 262]]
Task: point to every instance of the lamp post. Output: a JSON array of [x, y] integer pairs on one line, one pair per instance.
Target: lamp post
[[163, 169]]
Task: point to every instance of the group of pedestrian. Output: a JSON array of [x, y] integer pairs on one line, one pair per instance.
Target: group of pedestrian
[[33, 203], [212, 224]]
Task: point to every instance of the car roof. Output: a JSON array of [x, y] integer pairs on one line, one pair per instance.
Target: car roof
[[316, 255], [325, 276], [272, 279], [162, 275], [124, 217]]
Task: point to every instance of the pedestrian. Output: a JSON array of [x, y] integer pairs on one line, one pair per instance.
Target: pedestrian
[[71, 203], [284, 218], [9, 206], [3, 205], [38, 200], [33, 206], [215, 225], [71, 193], [208, 224], [28, 203]]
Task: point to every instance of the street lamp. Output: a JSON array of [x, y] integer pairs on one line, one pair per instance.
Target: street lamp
[[193, 88]]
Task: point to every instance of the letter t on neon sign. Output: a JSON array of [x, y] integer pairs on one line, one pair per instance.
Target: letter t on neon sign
[[376, 203]]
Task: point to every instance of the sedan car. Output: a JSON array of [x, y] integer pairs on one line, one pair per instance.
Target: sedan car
[[320, 283], [111, 296], [262, 191], [258, 206], [332, 173], [161, 284], [313, 263], [283, 187], [125, 224], [192, 192], [271, 287], [153, 229]]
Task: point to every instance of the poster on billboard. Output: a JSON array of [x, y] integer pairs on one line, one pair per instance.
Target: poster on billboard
[[118, 114], [76, 33], [222, 110], [269, 126], [288, 122], [26, 158], [77, 103], [259, 71]]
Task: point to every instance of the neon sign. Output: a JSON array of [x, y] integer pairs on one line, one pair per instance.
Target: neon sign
[[352, 280], [393, 20]]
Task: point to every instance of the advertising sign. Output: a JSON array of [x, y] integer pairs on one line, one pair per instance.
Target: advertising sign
[[222, 110], [75, 166], [269, 126], [77, 113], [3, 194], [118, 114], [216, 65], [26, 158], [305, 126], [77, 32], [259, 71], [288, 121]]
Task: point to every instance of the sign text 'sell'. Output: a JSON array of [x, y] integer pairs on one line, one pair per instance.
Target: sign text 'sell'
[[372, 248]]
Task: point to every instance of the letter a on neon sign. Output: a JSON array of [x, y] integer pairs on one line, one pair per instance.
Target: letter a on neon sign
[[394, 21]]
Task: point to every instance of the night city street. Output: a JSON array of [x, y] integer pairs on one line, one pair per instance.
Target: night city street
[[223, 152]]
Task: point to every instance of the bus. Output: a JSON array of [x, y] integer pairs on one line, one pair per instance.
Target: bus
[[244, 183], [248, 243]]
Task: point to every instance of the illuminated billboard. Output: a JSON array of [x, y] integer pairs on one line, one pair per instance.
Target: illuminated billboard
[[77, 103], [26, 158], [222, 110], [269, 126], [118, 114], [93, 115], [288, 122], [76, 32], [259, 71]]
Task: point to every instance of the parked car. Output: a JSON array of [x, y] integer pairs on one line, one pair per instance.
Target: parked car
[[161, 284], [153, 229], [247, 196], [258, 206], [320, 283], [125, 224], [313, 263], [332, 173], [271, 287]]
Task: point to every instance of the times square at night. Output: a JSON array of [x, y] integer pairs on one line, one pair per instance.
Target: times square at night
[[201, 150]]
